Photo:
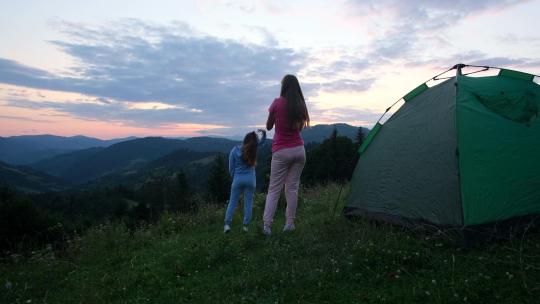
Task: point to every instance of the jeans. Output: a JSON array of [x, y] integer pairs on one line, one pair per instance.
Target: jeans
[[242, 183]]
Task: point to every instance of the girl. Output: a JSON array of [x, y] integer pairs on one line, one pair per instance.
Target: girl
[[242, 160], [289, 114]]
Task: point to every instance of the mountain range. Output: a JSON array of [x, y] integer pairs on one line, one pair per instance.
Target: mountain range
[[88, 164], [123, 160], [26, 149]]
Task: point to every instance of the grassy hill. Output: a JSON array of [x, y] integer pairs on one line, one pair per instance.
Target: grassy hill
[[328, 259]]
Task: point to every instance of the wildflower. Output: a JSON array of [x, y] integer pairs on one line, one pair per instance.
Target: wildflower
[[433, 281]]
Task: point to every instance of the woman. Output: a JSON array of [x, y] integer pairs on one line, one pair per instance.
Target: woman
[[289, 114]]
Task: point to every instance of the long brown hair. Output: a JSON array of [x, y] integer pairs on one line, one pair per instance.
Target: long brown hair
[[297, 112], [249, 149]]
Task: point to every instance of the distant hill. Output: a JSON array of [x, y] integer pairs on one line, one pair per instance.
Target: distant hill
[[195, 164], [178, 159], [208, 144], [319, 133], [61, 165], [26, 149], [85, 165], [29, 180]]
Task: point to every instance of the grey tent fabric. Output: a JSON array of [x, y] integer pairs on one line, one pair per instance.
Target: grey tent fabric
[[388, 181]]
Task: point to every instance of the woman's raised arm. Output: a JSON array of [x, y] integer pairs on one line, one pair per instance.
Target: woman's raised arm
[[270, 121]]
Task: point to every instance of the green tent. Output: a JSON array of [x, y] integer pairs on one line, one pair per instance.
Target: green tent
[[463, 153]]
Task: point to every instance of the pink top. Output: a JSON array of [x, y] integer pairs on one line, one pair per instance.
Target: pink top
[[284, 137]]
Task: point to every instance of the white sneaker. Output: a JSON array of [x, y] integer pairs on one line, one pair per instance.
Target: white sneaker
[[226, 229], [288, 227], [267, 231], [245, 229]]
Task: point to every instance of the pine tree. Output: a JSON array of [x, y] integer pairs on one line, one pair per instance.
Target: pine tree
[[333, 155], [5, 192], [182, 199], [330, 161], [360, 137], [152, 194], [219, 182]]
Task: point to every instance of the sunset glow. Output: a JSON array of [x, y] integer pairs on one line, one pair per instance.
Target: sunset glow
[[195, 68]]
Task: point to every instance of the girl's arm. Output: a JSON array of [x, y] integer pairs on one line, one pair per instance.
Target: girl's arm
[[270, 121], [232, 160]]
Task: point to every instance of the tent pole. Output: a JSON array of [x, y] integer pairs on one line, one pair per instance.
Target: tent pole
[[458, 68], [337, 200]]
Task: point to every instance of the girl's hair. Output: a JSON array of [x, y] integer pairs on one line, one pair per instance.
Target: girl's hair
[[297, 112], [249, 149]]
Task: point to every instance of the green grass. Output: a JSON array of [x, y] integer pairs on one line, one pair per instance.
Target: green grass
[[328, 259]]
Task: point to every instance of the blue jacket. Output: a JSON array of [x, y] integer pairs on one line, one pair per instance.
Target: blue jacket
[[237, 164]]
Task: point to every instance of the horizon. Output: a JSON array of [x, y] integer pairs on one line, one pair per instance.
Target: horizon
[[231, 137], [212, 68]]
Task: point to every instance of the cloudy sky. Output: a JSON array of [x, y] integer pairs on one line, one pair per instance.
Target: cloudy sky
[[188, 68]]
